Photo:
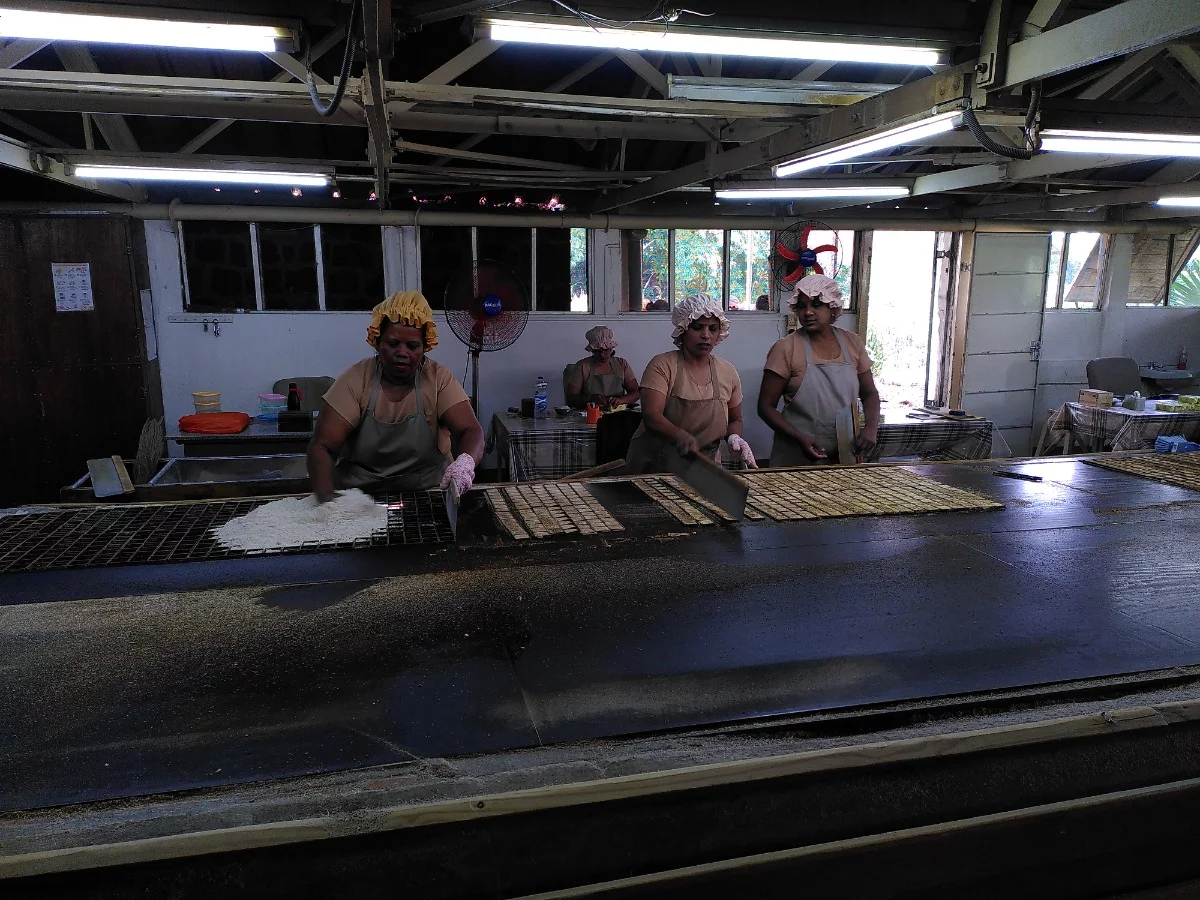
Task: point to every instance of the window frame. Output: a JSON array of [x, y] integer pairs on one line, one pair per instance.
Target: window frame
[[532, 273], [1171, 275], [256, 267], [777, 298], [1103, 261]]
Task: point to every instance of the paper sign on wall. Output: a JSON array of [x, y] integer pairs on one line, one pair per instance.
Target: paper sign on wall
[[72, 287]]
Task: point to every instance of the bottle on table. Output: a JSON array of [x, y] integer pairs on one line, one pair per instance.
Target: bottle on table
[[1182, 364], [541, 389], [293, 397]]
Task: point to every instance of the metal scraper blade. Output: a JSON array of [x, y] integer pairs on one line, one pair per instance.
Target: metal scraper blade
[[450, 495], [717, 485]]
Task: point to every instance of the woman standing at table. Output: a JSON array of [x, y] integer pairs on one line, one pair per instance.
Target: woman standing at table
[[604, 377], [391, 420], [818, 370], [691, 398]]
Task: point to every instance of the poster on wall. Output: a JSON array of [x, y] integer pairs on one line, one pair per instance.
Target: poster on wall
[[72, 287]]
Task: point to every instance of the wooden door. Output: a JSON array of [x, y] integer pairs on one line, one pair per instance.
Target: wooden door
[[74, 382]]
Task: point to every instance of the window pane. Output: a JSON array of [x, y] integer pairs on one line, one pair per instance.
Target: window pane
[[1054, 268], [220, 268], [699, 266], [287, 259], [655, 259], [553, 269], [444, 251], [749, 270], [511, 246], [1081, 270], [579, 271], [352, 257], [1185, 289]]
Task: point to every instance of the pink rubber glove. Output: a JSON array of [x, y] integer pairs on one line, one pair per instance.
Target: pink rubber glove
[[461, 472], [739, 446]]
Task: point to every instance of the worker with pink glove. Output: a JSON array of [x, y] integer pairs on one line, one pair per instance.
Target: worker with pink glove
[[390, 421], [691, 398]]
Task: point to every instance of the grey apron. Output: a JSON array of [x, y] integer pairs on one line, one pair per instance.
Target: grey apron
[[396, 456], [706, 420], [610, 384], [826, 388]]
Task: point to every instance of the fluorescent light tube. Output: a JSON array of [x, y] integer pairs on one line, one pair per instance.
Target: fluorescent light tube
[[893, 137], [1118, 143], [1179, 201], [801, 193], [673, 39], [54, 26], [203, 176]]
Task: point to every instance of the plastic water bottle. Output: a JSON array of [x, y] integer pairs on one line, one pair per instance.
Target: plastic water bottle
[[539, 397]]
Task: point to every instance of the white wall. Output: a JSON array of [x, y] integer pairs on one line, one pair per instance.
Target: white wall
[[256, 349]]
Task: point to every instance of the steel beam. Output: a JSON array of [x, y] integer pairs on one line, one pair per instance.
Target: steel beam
[[319, 49], [905, 102], [1120, 29], [404, 94], [116, 131], [101, 92], [1186, 56], [756, 90], [17, 51], [1179, 83], [42, 137], [18, 155], [455, 153], [1083, 200], [453, 68], [1045, 15], [548, 126], [644, 70], [1128, 68]]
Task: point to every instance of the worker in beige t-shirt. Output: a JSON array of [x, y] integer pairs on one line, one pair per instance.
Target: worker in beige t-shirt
[[819, 370], [391, 421], [691, 399]]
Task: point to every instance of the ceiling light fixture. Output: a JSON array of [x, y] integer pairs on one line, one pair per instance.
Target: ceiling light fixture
[[99, 29], [711, 41], [815, 193], [1120, 143], [893, 137], [203, 176], [1179, 201]]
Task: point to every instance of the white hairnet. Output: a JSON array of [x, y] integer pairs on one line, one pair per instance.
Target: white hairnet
[[822, 288], [694, 307]]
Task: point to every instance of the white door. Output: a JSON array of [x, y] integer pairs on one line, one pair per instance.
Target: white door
[[1004, 332]]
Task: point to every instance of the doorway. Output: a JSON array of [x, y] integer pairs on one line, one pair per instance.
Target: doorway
[[903, 321]]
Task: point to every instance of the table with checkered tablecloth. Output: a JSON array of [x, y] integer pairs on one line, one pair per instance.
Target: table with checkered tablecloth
[[529, 449], [1095, 428]]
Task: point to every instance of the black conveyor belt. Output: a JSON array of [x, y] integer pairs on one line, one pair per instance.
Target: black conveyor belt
[[129, 680]]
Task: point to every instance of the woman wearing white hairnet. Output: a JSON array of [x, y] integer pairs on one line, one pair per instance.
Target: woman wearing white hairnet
[[691, 398], [604, 377], [818, 369]]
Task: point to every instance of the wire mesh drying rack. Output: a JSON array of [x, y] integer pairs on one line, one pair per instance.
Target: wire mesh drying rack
[[128, 534]]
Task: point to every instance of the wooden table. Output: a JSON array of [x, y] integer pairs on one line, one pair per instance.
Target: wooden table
[[261, 437]]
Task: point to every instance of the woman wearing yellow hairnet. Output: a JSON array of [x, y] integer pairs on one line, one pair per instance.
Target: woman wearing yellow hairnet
[[391, 420]]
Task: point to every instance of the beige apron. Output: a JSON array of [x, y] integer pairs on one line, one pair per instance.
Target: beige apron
[[706, 420], [395, 456], [610, 384], [826, 388]]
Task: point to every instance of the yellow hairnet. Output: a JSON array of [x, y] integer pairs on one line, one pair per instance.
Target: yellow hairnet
[[404, 308]]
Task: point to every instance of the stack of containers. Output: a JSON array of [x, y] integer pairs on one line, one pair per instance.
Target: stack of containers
[[207, 401], [269, 405]]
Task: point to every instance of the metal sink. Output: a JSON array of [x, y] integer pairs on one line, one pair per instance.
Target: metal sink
[[225, 469]]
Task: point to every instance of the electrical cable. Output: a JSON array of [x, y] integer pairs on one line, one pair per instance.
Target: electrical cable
[[339, 91], [1031, 141]]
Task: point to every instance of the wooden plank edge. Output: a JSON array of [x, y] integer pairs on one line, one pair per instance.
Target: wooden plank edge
[[246, 837]]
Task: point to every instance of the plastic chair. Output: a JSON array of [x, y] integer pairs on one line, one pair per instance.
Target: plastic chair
[[312, 388], [1118, 374]]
